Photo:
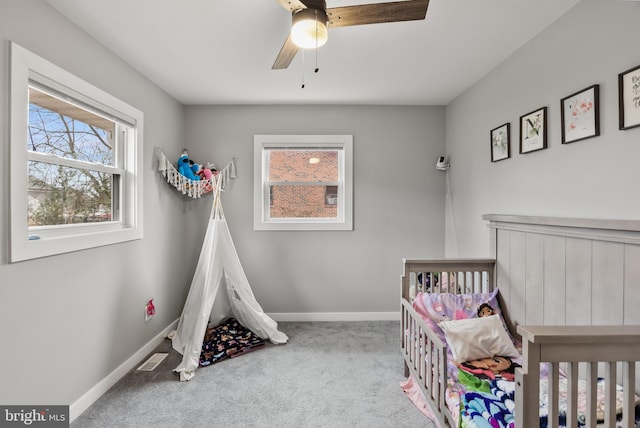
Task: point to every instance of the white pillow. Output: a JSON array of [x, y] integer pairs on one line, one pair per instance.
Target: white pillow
[[477, 338]]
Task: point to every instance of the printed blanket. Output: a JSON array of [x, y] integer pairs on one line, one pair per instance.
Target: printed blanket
[[486, 404], [227, 340], [490, 404]]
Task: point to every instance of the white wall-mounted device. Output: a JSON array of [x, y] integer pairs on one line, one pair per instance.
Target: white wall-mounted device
[[442, 164]]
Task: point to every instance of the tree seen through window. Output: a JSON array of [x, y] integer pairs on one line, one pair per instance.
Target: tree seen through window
[[67, 145]]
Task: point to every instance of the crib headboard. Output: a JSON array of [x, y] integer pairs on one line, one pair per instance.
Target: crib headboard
[[566, 271]]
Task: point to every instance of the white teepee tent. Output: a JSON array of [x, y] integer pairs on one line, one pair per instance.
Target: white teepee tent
[[219, 289]]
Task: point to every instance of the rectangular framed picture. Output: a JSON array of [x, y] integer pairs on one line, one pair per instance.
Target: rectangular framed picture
[[580, 115], [629, 98], [501, 142], [533, 131]]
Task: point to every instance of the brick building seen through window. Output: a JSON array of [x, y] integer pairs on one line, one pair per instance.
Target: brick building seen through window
[[304, 183]]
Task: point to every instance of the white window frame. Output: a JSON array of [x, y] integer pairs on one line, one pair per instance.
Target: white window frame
[[28, 68], [263, 143]]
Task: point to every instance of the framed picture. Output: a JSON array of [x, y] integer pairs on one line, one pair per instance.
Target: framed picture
[[533, 131], [580, 115], [629, 98], [501, 142]]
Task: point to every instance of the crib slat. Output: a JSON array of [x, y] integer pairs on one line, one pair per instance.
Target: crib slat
[[406, 337], [435, 385], [592, 384], [428, 360], [553, 386], [629, 384], [416, 352], [610, 395], [441, 380], [434, 282], [414, 336], [572, 395]]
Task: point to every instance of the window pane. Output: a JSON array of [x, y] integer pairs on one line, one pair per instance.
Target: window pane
[[331, 195], [303, 165], [63, 129], [300, 201], [63, 195]]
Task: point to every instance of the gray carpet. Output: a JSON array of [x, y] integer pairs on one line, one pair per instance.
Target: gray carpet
[[330, 374]]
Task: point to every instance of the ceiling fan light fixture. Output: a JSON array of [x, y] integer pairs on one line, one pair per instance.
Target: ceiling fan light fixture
[[309, 28]]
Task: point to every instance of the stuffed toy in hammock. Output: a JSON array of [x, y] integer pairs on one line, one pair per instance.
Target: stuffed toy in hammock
[[228, 340]]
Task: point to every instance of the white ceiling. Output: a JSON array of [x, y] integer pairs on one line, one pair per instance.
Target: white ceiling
[[221, 51]]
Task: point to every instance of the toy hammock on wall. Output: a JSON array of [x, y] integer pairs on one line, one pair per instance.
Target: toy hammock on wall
[[219, 290], [193, 188]]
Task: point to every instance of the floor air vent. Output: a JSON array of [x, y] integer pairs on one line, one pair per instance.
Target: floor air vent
[[153, 362]]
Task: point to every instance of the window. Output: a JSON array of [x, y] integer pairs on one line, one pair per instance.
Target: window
[[76, 156], [331, 195], [303, 182]]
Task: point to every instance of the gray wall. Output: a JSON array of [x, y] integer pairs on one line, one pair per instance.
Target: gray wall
[[598, 177], [398, 203], [67, 321]]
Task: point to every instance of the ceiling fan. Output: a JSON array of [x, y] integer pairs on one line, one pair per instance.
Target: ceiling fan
[[310, 19]]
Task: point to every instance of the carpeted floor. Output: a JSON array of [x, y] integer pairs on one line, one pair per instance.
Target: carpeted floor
[[330, 374]]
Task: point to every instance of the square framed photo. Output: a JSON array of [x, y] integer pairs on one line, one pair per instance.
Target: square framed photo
[[629, 98], [533, 131], [580, 115], [501, 142]]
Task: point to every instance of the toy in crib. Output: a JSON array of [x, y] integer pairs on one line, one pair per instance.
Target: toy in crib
[[485, 310], [490, 368]]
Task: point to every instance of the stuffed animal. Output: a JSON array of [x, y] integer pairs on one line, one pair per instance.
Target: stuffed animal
[[184, 166], [206, 172], [195, 167], [197, 170]]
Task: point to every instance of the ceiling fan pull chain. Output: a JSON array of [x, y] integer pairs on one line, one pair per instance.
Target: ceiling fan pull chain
[[302, 68], [316, 69]]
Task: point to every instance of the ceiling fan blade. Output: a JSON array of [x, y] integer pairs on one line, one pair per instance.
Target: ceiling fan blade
[[286, 55], [292, 5], [377, 13]]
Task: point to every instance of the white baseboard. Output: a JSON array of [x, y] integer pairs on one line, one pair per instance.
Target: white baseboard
[[335, 316], [91, 396]]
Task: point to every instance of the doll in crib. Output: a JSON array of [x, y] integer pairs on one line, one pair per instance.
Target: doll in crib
[[485, 310], [491, 368]]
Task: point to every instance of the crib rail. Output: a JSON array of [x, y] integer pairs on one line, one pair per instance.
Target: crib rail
[[425, 357], [447, 276], [585, 352]]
